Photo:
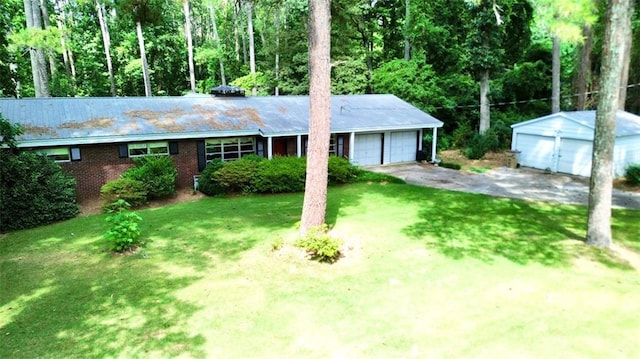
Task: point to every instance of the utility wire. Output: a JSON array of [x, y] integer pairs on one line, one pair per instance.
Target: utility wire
[[525, 101]]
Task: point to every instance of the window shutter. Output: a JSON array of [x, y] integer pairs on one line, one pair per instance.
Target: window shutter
[[173, 147], [202, 160], [123, 151]]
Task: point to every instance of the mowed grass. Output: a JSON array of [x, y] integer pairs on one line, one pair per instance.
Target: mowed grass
[[426, 273]]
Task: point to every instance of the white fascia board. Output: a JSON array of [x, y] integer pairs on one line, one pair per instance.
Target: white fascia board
[[52, 142]]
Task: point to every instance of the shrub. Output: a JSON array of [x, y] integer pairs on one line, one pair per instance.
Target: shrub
[[206, 183], [237, 176], [33, 191], [132, 191], [451, 165], [124, 233], [281, 175], [157, 173], [341, 171], [320, 245], [632, 174], [481, 144]]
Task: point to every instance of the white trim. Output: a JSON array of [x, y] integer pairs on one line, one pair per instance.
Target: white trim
[[299, 145], [352, 142], [434, 143], [269, 147]]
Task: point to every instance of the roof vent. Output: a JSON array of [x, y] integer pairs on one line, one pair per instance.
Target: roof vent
[[227, 91]]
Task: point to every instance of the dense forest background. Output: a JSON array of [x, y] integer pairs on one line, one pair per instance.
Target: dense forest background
[[439, 55]]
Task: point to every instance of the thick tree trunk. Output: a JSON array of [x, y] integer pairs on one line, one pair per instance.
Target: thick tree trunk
[[38, 61], [44, 8], [555, 76], [143, 57], [252, 47], [584, 74], [407, 23], [485, 111], [315, 194], [106, 40], [624, 77], [618, 22], [214, 27], [187, 31]]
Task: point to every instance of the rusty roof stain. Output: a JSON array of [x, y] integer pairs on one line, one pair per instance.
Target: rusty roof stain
[[39, 131], [93, 123]]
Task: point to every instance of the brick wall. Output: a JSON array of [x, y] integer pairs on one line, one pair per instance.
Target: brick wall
[[101, 163]]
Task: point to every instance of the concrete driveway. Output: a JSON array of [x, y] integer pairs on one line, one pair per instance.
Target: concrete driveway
[[506, 182]]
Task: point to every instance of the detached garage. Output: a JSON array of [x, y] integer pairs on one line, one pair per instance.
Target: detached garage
[[563, 142]]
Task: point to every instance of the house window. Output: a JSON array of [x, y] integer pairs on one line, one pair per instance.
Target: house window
[[60, 154], [229, 149], [333, 140], [148, 149]]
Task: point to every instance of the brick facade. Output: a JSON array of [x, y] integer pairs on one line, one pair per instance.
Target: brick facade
[[101, 163]]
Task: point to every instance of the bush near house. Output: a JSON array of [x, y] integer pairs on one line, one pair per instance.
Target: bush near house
[[632, 174], [34, 191], [253, 174], [151, 177], [157, 173]]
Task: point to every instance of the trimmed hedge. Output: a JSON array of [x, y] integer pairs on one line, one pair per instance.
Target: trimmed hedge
[[34, 191], [253, 174], [132, 191]]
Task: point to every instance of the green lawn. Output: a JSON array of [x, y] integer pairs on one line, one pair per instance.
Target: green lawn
[[427, 273]]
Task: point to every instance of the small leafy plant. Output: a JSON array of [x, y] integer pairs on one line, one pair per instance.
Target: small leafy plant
[[320, 245], [124, 233]]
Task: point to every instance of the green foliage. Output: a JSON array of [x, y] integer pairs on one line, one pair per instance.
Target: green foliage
[[258, 80], [34, 191], [277, 244], [481, 144], [341, 171], [132, 191], [8, 133], [206, 183], [124, 233], [451, 165], [632, 174], [237, 176], [320, 245], [157, 173], [281, 175], [462, 135]]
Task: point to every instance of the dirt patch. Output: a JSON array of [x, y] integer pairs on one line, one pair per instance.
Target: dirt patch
[[490, 160], [94, 206]]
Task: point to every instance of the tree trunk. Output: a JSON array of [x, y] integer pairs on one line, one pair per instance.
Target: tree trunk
[[252, 54], [618, 22], [485, 111], [214, 27], [555, 76], [315, 194], [236, 31], [106, 40], [187, 31], [143, 57], [277, 57], [407, 19], [624, 77], [44, 8], [38, 61], [584, 74]]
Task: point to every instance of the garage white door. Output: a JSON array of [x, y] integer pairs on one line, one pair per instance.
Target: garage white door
[[403, 146], [575, 157], [535, 151], [368, 149]]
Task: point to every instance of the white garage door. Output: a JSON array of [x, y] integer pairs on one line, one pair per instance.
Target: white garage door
[[535, 151], [403, 146], [575, 157], [368, 149]]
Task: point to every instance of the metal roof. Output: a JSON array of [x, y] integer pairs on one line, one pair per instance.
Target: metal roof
[[58, 121], [627, 124]]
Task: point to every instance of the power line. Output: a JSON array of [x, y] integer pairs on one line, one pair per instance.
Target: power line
[[526, 101]]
